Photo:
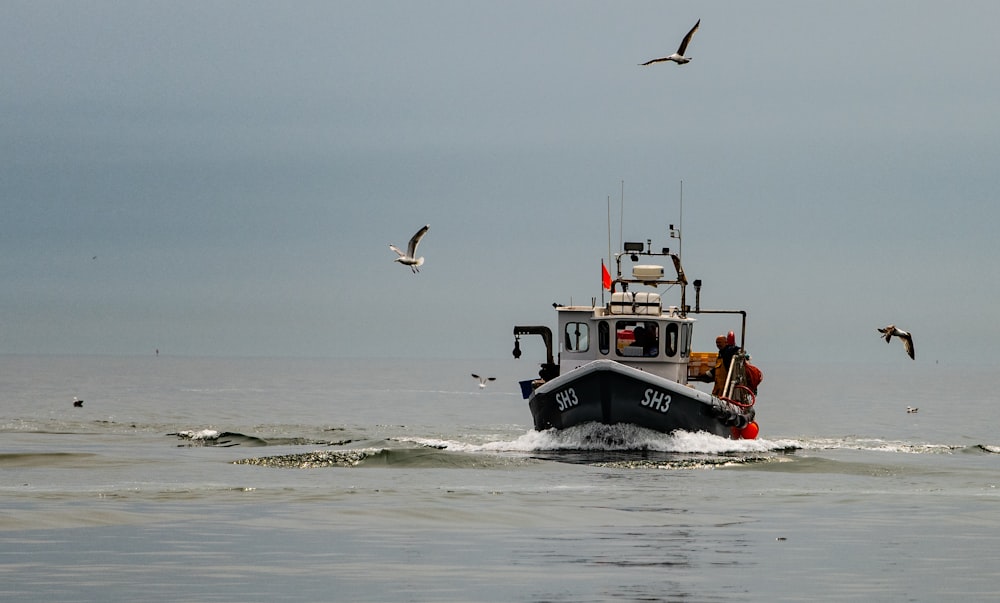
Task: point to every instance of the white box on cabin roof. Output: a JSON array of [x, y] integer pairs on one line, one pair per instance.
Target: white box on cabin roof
[[647, 272]]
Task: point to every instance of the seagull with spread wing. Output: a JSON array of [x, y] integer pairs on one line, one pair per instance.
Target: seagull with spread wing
[[410, 257], [678, 57], [903, 336], [483, 380]]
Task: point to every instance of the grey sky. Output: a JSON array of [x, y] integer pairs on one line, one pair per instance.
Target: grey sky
[[238, 169]]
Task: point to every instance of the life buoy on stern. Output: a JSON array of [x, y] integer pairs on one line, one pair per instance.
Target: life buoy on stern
[[750, 431]]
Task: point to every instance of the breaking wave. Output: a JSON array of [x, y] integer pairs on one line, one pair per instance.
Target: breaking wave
[[225, 439]]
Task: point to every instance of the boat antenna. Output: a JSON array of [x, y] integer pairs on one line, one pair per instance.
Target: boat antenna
[[609, 249], [675, 233], [609, 230], [621, 220]]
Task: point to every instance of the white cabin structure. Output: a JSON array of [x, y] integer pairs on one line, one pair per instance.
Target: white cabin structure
[[633, 329]]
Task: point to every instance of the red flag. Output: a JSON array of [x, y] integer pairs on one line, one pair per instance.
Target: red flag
[[605, 277]]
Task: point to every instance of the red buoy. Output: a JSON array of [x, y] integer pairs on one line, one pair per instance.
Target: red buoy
[[731, 338], [750, 431]]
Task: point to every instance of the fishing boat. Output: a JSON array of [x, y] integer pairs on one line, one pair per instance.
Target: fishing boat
[[629, 360]]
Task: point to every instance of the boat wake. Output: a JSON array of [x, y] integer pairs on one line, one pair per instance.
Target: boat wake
[[879, 445], [591, 441], [614, 438], [596, 438], [622, 446]]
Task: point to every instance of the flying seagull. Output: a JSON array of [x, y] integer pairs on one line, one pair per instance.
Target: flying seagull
[[912, 409], [483, 380], [410, 257], [678, 57], [904, 336]]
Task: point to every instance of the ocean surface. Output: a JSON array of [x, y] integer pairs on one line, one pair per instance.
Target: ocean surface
[[192, 479]]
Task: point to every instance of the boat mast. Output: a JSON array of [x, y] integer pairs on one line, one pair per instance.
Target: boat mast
[[609, 230], [680, 225], [609, 249], [621, 221], [675, 233]]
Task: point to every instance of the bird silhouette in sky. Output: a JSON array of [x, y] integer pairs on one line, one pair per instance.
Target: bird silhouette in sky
[[678, 57], [410, 257], [483, 380], [903, 336]]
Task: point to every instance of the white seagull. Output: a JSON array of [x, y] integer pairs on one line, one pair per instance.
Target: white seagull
[[904, 336], [678, 57], [483, 380], [410, 257]]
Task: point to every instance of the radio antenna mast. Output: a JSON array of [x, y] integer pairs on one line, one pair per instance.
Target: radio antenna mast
[[675, 233], [621, 221], [609, 230]]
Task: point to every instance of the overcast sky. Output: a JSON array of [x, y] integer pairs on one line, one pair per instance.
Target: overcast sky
[[224, 178]]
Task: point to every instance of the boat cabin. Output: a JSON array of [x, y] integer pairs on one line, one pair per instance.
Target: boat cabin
[[632, 329]]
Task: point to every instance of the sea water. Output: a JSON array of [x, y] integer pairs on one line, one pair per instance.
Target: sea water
[[187, 479]]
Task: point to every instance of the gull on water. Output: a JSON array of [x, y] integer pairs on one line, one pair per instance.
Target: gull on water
[[410, 257], [77, 402], [483, 380], [678, 57], [904, 336]]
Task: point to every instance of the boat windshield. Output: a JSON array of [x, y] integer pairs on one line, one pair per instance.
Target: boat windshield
[[577, 337], [637, 338]]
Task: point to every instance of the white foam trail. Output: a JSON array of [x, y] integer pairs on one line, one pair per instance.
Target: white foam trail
[[874, 445], [612, 438], [203, 434]]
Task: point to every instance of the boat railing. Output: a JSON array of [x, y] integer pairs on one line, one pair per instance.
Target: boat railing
[[737, 390]]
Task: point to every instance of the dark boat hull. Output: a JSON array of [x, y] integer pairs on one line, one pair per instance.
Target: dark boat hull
[[604, 391]]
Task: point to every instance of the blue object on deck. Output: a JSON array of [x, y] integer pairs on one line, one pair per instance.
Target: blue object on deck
[[526, 388]]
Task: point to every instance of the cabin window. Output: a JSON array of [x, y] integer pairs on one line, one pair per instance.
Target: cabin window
[[685, 343], [637, 338], [577, 337], [604, 337], [670, 335]]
